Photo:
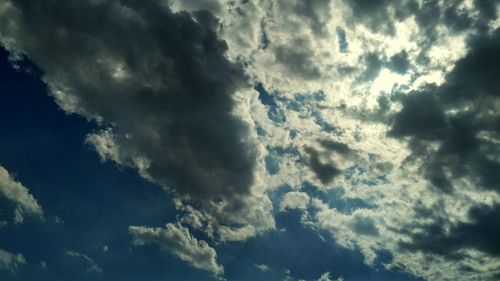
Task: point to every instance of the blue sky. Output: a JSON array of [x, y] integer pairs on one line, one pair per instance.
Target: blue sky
[[253, 140]]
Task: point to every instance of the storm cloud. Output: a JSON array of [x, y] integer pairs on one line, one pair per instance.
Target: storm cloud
[[157, 80], [461, 117]]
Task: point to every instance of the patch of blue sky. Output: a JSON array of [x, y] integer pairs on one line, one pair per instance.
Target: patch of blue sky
[[294, 105], [260, 131], [280, 150], [274, 155], [357, 136], [294, 254], [274, 113], [335, 198], [272, 164], [276, 195], [373, 157], [342, 41], [37, 134], [303, 100], [357, 175], [325, 126], [319, 95], [349, 173]]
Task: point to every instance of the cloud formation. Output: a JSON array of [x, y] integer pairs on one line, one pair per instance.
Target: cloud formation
[[158, 80], [177, 240], [16, 193], [10, 261], [378, 120]]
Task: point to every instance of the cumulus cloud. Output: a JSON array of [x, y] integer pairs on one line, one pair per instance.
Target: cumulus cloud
[[16, 193], [177, 239], [158, 79], [460, 118], [294, 200], [160, 86], [10, 261]]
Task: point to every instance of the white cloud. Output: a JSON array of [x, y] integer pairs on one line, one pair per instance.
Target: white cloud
[[294, 200], [10, 261], [177, 240], [262, 267], [18, 194]]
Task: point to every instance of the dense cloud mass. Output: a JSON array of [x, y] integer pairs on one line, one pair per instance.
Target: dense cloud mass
[[159, 79], [460, 118], [374, 125]]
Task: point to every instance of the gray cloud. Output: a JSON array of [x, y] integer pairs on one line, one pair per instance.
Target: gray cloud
[[461, 116], [480, 232], [320, 163], [460, 120], [178, 240], [324, 171], [159, 79], [297, 59]]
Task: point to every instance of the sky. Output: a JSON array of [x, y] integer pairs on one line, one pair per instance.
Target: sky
[[286, 140]]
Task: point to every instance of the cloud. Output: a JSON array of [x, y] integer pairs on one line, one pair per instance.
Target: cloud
[[92, 266], [18, 194], [10, 261], [177, 239], [479, 233], [460, 119], [159, 85], [262, 267], [327, 161], [327, 276], [158, 80], [294, 200], [388, 108]]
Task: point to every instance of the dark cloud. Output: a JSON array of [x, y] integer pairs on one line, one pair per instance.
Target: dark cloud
[[456, 19], [453, 130], [373, 65], [297, 59], [461, 117], [487, 8], [160, 79], [335, 146], [481, 233], [326, 171], [316, 12], [365, 226], [399, 62]]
